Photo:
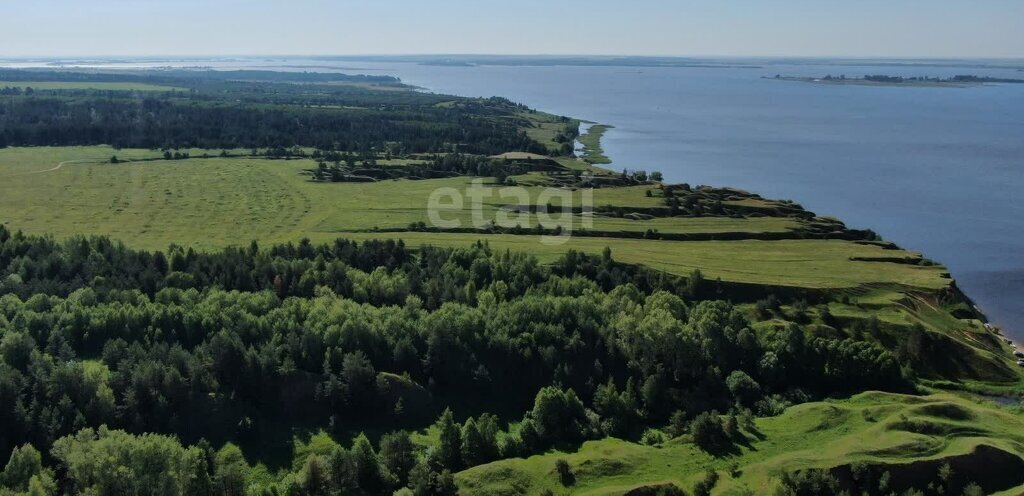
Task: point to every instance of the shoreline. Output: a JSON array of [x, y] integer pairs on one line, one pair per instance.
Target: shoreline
[[589, 146], [865, 82], [589, 143], [896, 81]]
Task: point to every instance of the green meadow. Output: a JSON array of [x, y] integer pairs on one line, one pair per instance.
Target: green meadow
[[796, 263], [216, 202], [871, 428], [591, 141]]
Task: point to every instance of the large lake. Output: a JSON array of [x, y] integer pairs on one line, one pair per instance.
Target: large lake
[[939, 170]]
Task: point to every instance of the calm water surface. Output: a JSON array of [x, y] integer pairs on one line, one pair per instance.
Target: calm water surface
[[940, 170]]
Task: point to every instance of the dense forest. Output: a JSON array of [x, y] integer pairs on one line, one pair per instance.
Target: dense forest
[[234, 109], [178, 362]]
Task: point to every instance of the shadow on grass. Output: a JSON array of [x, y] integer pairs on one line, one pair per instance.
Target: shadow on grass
[[722, 449]]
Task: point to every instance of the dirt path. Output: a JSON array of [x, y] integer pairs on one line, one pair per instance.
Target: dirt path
[[59, 166]]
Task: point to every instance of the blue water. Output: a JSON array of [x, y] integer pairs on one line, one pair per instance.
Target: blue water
[[939, 170]]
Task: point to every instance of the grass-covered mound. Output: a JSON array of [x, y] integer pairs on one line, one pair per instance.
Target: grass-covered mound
[[858, 440]]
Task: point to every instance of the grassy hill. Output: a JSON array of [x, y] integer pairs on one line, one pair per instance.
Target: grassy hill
[[878, 431]]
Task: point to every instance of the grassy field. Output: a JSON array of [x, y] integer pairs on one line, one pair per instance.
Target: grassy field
[[798, 263], [591, 141], [210, 203], [874, 428], [698, 224], [544, 128], [74, 85]]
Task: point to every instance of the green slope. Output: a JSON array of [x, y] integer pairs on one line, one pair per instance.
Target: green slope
[[876, 429]]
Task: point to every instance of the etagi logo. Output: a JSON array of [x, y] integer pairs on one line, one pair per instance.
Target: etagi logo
[[558, 211]]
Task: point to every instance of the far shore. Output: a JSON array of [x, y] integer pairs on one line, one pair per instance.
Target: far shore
[[956, 82]]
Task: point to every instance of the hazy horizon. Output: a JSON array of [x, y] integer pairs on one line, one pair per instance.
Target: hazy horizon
[[202, 56], [696, 28]]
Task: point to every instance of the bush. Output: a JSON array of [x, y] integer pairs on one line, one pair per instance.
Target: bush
[[558, 416], [771, 406], [707, 431], [732, 427], [744, 388], [652, 437], [973, 489], [677, 424], [512, 447]]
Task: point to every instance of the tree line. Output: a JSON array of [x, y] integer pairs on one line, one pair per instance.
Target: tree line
[[174, 353], [167, 122], [258, 109]]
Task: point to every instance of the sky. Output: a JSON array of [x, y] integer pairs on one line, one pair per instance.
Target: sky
[[816, 28]]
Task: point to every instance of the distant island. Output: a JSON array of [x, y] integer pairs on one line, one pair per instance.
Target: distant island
[[884, 80], [448, 63]]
